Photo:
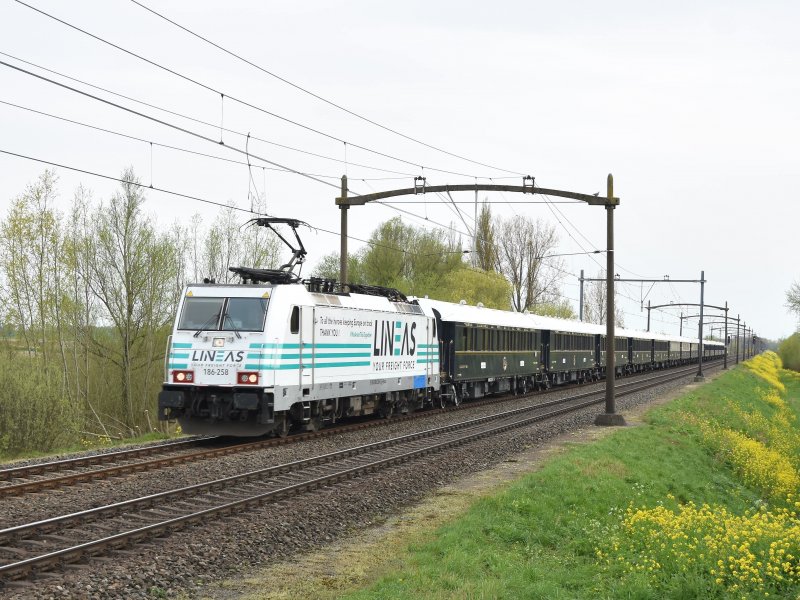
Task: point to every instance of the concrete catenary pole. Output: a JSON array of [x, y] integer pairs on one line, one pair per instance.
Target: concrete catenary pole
[[610, 417], [699, 376], [725, 339], [343, 236]]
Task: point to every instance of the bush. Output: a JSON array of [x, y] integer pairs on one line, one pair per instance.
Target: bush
[[789, 351]]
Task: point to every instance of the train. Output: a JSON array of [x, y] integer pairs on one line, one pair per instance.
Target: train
[[275, 353]]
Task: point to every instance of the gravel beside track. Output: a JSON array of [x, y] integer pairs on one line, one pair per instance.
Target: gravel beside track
[[188, 559]]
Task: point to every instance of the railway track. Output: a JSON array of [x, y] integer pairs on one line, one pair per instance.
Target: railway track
[[72, 471], [44, 545]]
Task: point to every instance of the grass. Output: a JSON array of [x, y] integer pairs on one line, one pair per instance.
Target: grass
[[647, 512]]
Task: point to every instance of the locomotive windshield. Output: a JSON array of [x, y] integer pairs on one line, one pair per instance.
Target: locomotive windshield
[[223, 314], [245, 314], [201, 313]]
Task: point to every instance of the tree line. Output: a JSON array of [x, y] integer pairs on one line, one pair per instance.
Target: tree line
[[88, 296], [87, 299]]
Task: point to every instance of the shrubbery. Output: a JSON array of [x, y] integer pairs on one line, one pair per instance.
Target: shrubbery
[[789, 351]]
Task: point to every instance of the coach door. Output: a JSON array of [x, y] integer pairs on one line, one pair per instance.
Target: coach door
[[430, 346], [307, 348]]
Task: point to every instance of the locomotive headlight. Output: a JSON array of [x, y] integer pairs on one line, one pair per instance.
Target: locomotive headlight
[[247, 377], [182, 376]]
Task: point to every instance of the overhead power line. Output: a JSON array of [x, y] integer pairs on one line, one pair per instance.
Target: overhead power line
[[177, 194], [202, 122], [167, 124], [317, 96], [223, 95], [120, 180], [176, 148]]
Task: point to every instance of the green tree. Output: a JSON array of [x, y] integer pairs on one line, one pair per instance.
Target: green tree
[[558, 308], [789, 351], [36, 381], [474, 285], [414, 261], [329, 267], [132, 277]]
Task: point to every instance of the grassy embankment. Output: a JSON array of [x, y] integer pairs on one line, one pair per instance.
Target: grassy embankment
[[700, 502]]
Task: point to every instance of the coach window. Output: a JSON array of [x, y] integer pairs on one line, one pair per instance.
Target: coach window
[[294, 322]]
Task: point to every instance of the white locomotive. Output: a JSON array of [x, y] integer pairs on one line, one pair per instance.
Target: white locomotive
[[250, 359], [274, 353]]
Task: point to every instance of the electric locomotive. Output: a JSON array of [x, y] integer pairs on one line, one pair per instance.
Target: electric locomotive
[[275, 353]]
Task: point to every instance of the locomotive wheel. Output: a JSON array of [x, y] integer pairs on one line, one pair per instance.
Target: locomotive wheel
[[385, 410], [282, 425], [456, 399], [315, 424], [442, 400]]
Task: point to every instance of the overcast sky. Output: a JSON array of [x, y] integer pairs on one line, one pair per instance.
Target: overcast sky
[[693, 106]]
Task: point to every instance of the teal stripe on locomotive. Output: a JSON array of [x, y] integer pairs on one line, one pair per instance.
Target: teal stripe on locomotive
[[256, 367], [297, 346], [297, 356]]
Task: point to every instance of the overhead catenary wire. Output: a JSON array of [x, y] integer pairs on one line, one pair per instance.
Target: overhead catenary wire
[[167, 124], [318, 97], [191, 197], [236, 99], [201, 121], [454, 230], [176, 148]]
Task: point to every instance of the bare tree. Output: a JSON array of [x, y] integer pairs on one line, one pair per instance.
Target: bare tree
[[522, 247], [595, 303], [793, 299], [230, 241]]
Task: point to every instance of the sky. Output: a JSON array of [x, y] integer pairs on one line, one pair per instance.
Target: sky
[[692, 106]]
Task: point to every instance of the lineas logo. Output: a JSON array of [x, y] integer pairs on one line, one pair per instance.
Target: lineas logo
[[217, 355], [394, 338]]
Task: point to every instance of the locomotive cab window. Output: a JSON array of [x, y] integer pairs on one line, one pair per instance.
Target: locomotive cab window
[[201, 313], [223, 314], [294, 321], [245, 314]]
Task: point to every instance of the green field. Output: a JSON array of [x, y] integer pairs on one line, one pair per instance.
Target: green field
[[698, 502]]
